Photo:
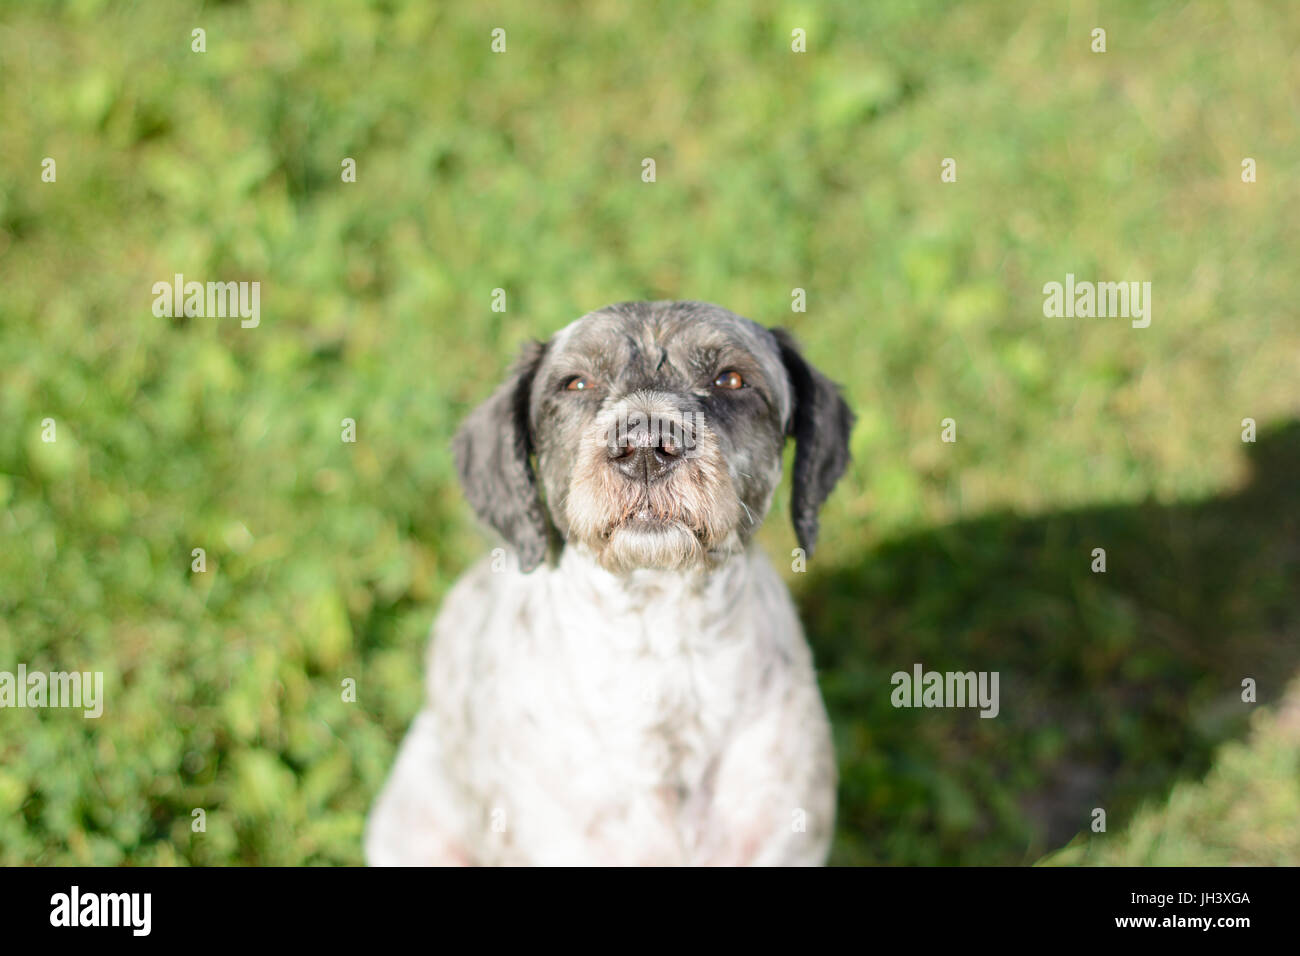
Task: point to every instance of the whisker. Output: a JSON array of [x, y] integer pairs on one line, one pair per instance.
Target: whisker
[[748, 512]]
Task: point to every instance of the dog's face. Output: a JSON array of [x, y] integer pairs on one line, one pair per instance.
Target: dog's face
[[657, 431]]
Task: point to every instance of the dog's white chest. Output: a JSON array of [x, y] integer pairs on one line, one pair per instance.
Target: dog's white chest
[[594, 731]]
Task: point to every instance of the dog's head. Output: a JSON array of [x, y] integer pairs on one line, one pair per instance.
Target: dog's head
[[656, 429]]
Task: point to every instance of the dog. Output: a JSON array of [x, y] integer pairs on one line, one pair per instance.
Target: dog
[[627, 683]]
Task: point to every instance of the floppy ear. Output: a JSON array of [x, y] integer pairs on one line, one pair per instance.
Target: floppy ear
[[492, 452], [820, 425]]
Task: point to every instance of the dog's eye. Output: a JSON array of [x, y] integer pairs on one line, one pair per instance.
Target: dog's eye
[[729, 379], [579, 383]]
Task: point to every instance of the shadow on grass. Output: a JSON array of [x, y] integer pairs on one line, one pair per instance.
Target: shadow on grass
[[1112, 685]]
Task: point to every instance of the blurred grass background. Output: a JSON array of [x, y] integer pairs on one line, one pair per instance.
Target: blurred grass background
[[775, 170]]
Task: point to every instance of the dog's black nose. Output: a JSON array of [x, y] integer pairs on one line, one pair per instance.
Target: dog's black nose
[[646, 453]]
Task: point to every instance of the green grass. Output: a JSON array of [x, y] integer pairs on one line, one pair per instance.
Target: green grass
[[775, 170], [1242, 814]]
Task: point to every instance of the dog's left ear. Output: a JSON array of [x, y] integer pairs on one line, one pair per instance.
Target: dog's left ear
[[820, 425], [492, 451]]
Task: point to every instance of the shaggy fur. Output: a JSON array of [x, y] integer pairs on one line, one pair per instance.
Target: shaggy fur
[[628, 683]]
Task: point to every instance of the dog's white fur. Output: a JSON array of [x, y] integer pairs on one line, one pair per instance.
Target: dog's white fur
[[576, 716]]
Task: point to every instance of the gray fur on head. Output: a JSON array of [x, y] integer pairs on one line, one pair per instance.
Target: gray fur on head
[[650, 369]]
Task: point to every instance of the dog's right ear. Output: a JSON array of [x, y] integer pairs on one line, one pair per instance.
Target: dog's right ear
[[492, 451]]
